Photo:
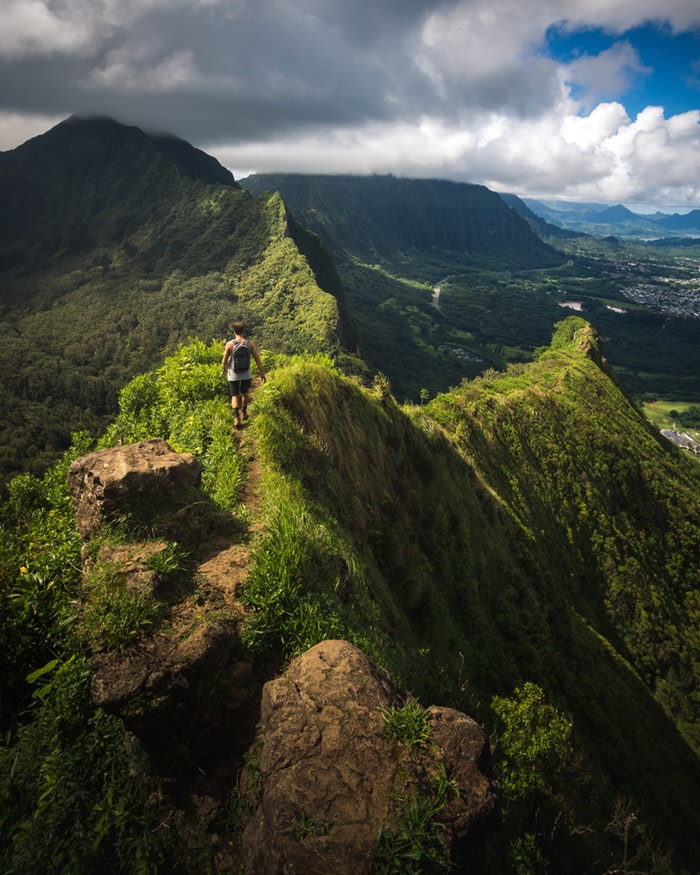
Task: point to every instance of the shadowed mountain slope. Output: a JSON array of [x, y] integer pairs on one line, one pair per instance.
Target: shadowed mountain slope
[[384, 217], [526, 528], [114, 247]]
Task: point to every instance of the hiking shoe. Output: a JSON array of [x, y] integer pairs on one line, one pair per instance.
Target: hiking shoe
[[245, 413]]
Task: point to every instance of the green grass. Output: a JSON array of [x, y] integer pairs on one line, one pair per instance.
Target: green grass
[[659, 414], [113, 614], [408, 724]]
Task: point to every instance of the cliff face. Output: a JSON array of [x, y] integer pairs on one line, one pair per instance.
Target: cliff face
[[381, 217]]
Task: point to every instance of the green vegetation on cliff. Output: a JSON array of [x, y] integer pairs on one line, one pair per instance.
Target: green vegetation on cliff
[[396, 242], [525, 539], [114, 248]]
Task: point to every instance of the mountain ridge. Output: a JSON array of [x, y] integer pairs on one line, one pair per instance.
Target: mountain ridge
[[527, 527], [114, 247], [606, 219], [384, 215]]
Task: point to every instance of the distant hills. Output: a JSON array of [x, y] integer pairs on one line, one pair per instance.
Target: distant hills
[[603, 219]]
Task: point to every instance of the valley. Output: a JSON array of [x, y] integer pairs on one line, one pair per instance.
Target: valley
[[496, 307], [467, 322]]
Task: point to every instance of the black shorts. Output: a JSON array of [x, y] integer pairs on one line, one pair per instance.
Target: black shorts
[[238, 387]]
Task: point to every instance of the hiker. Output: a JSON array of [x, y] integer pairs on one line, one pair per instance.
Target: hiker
[[236, 365]]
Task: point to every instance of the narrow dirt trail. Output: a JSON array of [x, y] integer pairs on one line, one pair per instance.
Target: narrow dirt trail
[[225, 559]]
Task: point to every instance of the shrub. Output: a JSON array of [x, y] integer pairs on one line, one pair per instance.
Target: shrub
[[66, 799], [408, 724]]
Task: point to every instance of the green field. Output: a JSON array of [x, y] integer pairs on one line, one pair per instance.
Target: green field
[[659, 414]]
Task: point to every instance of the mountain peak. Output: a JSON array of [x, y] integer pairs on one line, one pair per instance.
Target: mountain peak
[[612, 215], [80, 146], [83, 167]]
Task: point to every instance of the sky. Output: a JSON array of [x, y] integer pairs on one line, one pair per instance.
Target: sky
[[580, 100]]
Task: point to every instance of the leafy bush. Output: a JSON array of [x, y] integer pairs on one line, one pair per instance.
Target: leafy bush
[[67, 803], [186, 403], [534, 743], [39, 576]]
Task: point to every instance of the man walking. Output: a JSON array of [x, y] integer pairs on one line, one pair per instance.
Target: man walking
[[236, 365]]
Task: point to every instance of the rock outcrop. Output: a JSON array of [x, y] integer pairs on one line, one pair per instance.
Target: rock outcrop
[[328, 776], [326, 787], [181, 675], [108, 482]]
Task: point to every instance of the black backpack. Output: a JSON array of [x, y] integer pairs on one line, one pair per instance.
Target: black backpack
[[240, 357]]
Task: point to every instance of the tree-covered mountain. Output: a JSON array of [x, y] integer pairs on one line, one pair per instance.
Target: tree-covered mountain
[[114, 247], [611, 215], [541, 226], [680, 221], [396, 242], [431, 310], [385, 218], [523, 548]]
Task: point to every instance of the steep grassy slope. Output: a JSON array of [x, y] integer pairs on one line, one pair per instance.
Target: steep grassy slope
[[114, 247], [525, 527], [534, 526], [529, 527]]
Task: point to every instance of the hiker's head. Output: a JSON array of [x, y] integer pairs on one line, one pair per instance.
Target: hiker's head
[[238, 328]]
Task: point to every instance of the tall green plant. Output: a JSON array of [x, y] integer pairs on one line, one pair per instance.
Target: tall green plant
[[290, 587], [67, 803]]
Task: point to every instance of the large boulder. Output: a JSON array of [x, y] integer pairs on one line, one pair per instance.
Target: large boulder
[[105, 483], [325, 775], [191, 683]]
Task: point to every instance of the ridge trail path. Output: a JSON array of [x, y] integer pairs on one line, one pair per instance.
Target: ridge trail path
[[224, 560], [223, 563]]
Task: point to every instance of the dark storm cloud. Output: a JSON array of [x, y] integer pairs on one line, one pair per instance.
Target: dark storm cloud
[[236, 70], [464, 89]]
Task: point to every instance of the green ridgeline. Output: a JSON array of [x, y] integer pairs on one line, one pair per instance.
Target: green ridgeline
[[522, 548], [115, 247]]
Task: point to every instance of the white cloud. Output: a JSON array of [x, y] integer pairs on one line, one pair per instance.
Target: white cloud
[[607, 74], [604, 156], [16, 128]]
